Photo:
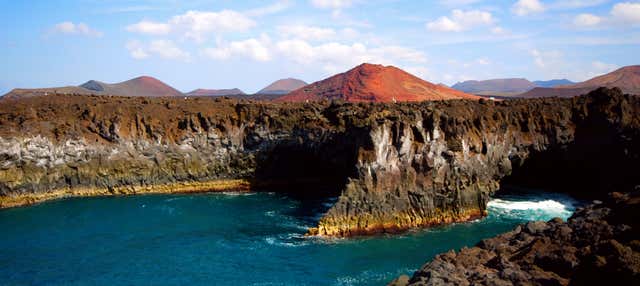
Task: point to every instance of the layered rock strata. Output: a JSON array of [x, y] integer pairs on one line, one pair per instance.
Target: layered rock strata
[[393, 166], [598, 245]]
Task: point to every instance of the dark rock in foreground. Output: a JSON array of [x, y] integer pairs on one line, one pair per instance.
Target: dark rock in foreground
[[598, 245]]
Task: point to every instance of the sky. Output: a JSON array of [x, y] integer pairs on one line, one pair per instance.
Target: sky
[[249, 44]]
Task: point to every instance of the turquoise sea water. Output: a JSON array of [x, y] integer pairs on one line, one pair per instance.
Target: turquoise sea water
[[224, 239]]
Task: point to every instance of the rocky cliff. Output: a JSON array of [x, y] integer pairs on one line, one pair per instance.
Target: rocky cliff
[[598, 245], [392, 166]]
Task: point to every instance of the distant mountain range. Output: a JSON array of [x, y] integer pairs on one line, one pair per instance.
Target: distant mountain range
[[141, 86], [502, 87], [215, 92], [374, 83], [626, 78], [505, 86], [146, 86], [364, 83], [552, 83], [282, 86]]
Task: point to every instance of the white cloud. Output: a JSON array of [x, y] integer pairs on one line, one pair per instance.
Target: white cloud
[[162, 48], [621, 14], [255, 49], [461, 21], [594, 69], [331, 57], [527, 7], [276, 7], [483, 61], [70, 28], [627, 12], [332, 4], [168, 50], [546, 59], [336, 5], [150, 28], [306, 32], [587, 20], [552, 64], [136, 50], [498, 30], [196, 25], [335, 57]]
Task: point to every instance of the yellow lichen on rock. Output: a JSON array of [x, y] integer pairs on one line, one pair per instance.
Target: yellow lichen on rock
[[367, 225], [170, 188]]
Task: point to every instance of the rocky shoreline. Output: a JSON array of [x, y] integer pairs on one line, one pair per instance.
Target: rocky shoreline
[[392, 166], [598, 245]]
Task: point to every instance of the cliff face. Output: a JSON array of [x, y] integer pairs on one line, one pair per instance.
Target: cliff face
[[440, 163], [393, 167]]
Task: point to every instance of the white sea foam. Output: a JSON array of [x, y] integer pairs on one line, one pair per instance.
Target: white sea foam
[[546, 205], [287, 240], [535, 207], [238, 194]]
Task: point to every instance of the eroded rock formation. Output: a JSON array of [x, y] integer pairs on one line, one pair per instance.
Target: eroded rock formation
[[393, 166], [598, 245]]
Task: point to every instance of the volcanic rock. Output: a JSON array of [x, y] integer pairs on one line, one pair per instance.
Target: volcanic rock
[[598, 245]]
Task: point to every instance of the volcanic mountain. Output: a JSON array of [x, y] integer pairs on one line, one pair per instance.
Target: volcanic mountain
[[626, 78], [283, 86], [141, 86], [552, 83], [500, 87], [374, 83], [215, 92]]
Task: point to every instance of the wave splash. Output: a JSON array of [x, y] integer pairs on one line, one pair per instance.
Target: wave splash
[[537, 206]]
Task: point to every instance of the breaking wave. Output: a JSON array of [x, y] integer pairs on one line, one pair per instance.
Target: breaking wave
[[534, 206]]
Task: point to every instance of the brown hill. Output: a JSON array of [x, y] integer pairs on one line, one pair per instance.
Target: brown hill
[[555, 92], [283, 86], [144, 86], [626, 78], [503, 86], [374, 83], [215, 92], [141, 86]]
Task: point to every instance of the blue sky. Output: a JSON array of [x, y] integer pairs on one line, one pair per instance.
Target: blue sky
[[248, 44]]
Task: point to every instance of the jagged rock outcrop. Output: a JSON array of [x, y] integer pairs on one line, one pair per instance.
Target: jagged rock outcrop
[[393, 166], [598, 245], [440, 163]]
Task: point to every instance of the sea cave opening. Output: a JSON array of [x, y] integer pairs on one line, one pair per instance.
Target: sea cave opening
[[312, 173]]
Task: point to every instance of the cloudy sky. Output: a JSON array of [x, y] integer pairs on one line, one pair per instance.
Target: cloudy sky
[[248, 44]]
